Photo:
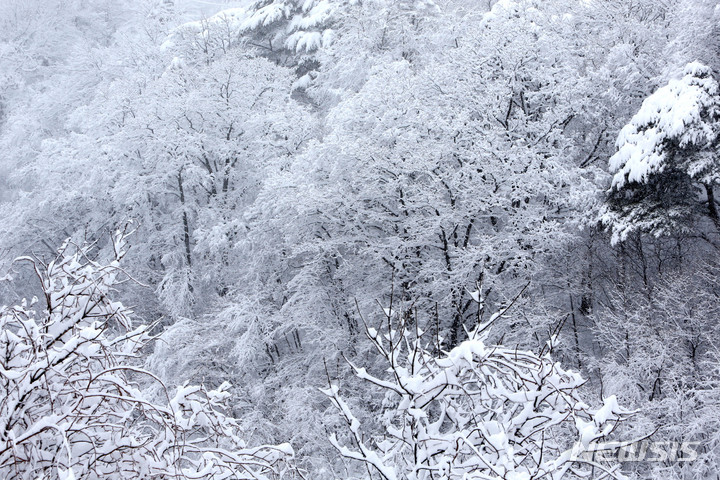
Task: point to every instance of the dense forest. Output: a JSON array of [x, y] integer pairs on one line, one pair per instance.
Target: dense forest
[[359, 239]]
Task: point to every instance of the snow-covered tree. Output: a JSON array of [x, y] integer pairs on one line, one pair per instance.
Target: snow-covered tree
[[666, 154], [439, 176], [182, 145], [694, 32], [201, 141], [69, 54], [71, 402], [476, 412], [284, 158], [656, 349]]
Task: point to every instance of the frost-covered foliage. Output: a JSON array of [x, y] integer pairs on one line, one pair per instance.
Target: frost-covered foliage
[[285, 159], [694, 33], [669, 146], [275, 27], [475, 412], [657, 350], [331, 44], [684, 114], [71, 405], [444, 175], [183, 150], [298, 25]]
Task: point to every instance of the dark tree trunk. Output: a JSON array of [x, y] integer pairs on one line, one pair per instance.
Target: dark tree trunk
[[186, 224], [712, 207]]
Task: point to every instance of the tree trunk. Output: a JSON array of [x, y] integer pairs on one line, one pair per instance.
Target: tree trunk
[[575, 334], [712, 207], [186, 231], [186, 225]]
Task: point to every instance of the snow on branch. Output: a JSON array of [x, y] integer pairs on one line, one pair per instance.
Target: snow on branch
[[683, 114], [475, 412], [70, 403]]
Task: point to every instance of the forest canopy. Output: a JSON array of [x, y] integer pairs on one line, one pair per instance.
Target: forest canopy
[[390, 239]]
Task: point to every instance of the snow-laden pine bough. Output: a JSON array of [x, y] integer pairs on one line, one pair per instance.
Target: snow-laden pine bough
[[70, 404], [476, 412], [665, 156]]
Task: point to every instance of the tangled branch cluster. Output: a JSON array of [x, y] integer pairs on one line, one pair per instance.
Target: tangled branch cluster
[[70, 403]]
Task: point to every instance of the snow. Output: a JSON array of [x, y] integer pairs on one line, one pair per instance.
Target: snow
[[424, 153], [675, 114], [66, 474], [265, 16], [302, 40], [234, 18], [302, 82], [317, 15], [467, 350], [609, 410]]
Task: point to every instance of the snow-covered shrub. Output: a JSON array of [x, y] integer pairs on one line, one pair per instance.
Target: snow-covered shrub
[[70, 402], [476, 412]]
